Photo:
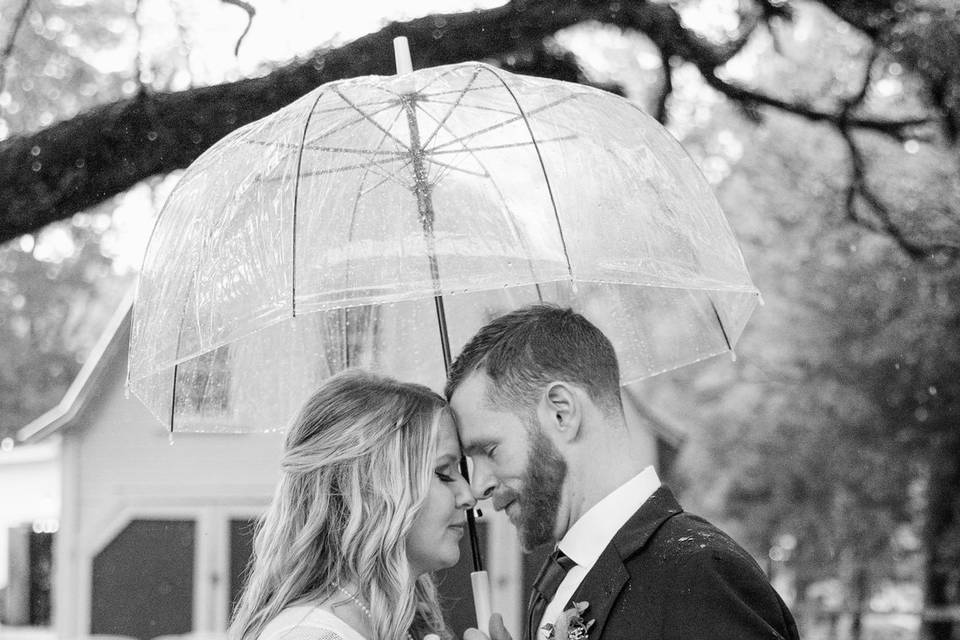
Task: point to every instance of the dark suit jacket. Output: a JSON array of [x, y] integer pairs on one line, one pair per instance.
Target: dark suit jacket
[[669, 575]]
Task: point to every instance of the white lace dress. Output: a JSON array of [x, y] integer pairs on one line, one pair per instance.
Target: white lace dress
[[307, 622]]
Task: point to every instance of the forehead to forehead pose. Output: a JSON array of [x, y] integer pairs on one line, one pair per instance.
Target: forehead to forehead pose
[[537, 399], [370, 501]]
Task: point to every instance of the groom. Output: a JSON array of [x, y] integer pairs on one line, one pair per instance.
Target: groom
[[537, 398]]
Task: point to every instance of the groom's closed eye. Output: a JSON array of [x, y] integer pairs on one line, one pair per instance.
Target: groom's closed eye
[[481, 448]]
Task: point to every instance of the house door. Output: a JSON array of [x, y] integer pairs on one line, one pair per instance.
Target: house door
[[142, 581]]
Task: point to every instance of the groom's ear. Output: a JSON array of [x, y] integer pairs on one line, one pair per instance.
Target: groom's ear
[[561, 410]]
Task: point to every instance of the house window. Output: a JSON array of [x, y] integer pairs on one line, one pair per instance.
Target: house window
[[203, 385]]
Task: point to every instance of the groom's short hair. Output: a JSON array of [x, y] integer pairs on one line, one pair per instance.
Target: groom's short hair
[[525, 349]]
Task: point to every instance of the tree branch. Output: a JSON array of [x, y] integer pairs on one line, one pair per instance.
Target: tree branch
[[251, 12], [666, 89], [897, 129], [883, 222], [15, 25]]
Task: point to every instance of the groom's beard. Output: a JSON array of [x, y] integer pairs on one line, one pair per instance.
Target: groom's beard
[[542, 485]]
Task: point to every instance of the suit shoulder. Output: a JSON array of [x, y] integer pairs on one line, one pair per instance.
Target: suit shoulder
[[688, 540]]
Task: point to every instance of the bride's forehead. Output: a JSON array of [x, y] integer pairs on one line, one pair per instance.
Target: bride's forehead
[[447, 440]]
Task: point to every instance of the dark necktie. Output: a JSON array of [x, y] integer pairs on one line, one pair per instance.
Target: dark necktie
[[551, 575]]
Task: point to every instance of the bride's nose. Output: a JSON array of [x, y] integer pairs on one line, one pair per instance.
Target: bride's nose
[[463, 495]]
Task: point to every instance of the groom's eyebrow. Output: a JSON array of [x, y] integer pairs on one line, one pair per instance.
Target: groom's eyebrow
[[477, 446]]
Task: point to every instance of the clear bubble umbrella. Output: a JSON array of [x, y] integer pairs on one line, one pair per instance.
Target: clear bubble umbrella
[[378, 222]]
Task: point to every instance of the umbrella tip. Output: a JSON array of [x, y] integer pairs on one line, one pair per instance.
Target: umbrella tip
[[733, 355], [401, 53]]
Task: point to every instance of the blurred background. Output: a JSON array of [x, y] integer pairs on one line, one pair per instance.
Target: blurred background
[[830, 447]]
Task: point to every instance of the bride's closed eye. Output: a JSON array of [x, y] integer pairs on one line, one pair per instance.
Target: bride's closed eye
[[447, 474]]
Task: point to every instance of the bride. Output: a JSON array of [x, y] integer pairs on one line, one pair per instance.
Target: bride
[[370, 502]]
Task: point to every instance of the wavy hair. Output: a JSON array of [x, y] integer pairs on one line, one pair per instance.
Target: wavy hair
[[357, 465]]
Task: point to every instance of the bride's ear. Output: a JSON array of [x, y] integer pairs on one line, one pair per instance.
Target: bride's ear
[[561, 410]]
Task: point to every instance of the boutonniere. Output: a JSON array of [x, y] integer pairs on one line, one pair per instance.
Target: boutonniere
[[570, 624]]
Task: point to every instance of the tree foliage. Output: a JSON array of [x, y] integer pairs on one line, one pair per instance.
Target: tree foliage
[[94, 152], [55, 298], [839, 424]]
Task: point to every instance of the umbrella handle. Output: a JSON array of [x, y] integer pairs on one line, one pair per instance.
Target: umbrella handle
[[480, 581]]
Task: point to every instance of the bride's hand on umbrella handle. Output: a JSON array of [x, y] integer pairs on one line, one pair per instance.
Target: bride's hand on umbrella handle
[[497, 631]]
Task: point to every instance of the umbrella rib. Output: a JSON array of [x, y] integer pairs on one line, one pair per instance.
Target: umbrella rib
[[356, 201], [467, 105], [451, 167], [341, 169], [322, 135], [337, 128], [543, 168], [376, 124], [505, 211], [510, 145], [296, 201], [387, 177], [522, 116], [427, 158], [716, 312], [453, 106], [456, 91], [368, 152], [334, 109]]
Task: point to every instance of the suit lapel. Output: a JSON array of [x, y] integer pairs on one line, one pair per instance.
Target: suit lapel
[[600, 588], [606, 579]]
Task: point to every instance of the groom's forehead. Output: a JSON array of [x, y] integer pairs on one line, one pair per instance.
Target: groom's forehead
[[472, 393]]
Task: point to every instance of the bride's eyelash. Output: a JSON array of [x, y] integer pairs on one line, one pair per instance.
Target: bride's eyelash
[[443, 476]]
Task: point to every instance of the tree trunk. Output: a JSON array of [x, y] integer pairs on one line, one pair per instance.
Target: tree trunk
[[942, 571]]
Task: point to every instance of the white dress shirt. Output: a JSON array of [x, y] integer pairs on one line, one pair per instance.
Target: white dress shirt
[[592, 532]]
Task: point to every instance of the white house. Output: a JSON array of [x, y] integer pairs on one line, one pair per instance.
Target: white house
[[154, 533]]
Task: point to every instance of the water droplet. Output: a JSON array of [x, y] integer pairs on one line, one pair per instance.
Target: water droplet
[[35, 151], [932, 390]]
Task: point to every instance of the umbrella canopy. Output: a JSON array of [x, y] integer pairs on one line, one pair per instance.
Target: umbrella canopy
[[320, 237]]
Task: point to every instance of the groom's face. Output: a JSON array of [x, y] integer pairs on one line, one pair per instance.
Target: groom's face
[[514, 463]]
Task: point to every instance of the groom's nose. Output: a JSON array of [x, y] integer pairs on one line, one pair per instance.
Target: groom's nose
[[482, 482]]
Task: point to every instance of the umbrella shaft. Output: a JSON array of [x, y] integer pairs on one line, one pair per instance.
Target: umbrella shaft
[[447, 359]]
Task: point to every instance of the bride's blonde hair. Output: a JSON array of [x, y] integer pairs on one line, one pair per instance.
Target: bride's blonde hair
[[357, 465]]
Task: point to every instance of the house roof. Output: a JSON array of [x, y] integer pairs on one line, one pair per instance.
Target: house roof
[[112, 343]]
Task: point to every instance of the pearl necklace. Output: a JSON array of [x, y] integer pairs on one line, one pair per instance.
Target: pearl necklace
[[357, 601]]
